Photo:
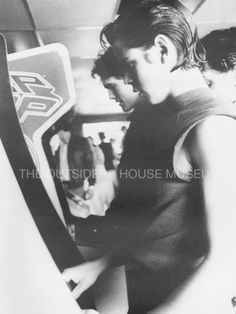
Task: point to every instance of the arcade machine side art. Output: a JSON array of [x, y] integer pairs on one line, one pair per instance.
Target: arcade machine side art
[[24, 254], [43, 91]]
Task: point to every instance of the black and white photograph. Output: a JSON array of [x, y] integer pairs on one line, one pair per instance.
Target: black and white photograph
[[118, 157]]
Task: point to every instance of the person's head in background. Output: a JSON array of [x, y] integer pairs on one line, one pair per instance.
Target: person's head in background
[[90, 140], [107, 67], [124, 129], [155, 40], [220, 69], [65, 122], [102, 136]]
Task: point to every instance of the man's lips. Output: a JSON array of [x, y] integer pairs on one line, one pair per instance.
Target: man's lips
[[140, 92]]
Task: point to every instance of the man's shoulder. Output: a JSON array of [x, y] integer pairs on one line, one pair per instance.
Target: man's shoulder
[[217, 125], [215, 135]]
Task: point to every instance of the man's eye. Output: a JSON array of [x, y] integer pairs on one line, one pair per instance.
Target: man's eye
[[209, 83], [130, 65]]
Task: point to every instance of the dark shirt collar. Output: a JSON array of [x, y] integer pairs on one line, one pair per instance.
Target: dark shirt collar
[[140, 109], [180, 102], [173, 104]]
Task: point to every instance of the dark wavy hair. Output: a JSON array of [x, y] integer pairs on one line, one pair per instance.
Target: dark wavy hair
[[139, 26], [220, 47], [107, 65]]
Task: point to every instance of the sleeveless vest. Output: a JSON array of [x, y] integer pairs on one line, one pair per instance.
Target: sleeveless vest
[[163, 217]]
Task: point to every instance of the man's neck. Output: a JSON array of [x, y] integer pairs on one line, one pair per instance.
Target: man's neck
[[186, 80]]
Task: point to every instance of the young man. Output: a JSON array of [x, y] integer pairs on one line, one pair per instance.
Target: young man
[[158, 42], [220, 70], [107, 67], [184, 240], [132, 190]]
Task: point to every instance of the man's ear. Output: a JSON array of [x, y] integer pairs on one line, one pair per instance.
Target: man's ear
[[167, 50], [161, 43]]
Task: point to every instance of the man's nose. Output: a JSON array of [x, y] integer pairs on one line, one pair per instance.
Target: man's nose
[[127, 79], [111, 94]]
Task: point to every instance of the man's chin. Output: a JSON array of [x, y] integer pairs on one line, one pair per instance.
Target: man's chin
[[155, 100], [125, 109]]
